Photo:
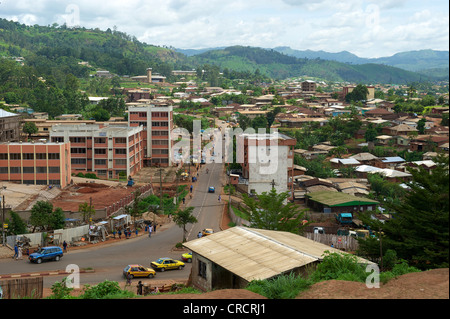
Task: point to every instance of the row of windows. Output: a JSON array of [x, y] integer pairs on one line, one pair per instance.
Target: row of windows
[[30, 170], [29, 156], [160, 124]]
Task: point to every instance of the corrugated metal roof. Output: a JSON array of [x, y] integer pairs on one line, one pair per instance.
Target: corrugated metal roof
[[257, 254]]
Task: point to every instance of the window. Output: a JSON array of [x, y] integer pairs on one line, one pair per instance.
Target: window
[[3, 156], [76, 150], [121, 140], [121, 162], [15, 156], [77, 140], [41, 156], [28, 170], [28, 156], [3, 170], [121, 151], [100, 162], [53, 156], [100, 151], [78, 161], [41, 170], [58, 139], [15, 170], [99, 140], [202, 269], [55, 169]]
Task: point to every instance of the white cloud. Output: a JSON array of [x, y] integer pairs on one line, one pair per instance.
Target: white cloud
[[368, 28]]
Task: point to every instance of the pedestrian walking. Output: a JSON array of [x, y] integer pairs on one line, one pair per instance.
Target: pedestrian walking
[[150, 229], [64, 247], [139, 288], [128, 280], [137, 231], [16, 251], [114, 233], [119, 233], [219, 198], [191, 188], [184, 200], [154, 228]]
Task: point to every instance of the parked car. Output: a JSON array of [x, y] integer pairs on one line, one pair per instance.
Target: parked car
[[207, 231], [138, 271], [165, 263], [46, 253], [187, 257], [211, 189]]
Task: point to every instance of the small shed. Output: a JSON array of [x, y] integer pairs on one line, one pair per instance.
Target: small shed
[[234, 257], [338, 202]]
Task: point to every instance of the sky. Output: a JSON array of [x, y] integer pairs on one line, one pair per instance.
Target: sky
[[367, 28]]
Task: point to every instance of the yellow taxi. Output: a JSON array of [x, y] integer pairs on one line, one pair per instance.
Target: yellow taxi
[[207, 231], [138, 271], [187, 257], [165, 263]]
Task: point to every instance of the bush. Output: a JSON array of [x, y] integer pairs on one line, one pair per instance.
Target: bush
[[281, 287], [336, 266], [106, 290]]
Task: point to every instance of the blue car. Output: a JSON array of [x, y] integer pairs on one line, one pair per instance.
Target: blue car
[[46, 253], [211, 189]]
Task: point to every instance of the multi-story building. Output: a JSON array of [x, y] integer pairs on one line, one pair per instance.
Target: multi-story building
[[108, 150], [157, 122], [37, 163], [9, 126], [268, 162]]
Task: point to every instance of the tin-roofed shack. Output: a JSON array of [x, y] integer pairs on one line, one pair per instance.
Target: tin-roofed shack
[[338, 202], [234, 257]]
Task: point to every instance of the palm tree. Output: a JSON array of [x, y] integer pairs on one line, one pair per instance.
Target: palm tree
[[184, 217]]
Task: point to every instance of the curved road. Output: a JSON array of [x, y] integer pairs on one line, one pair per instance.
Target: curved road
[[109, 260]]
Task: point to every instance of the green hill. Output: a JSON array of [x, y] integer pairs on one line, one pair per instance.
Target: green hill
[[280, 66], [52, 48]]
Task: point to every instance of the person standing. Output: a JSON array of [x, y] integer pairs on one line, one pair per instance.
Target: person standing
[[219, 198], [199, 235], [16, 251], [119, 233], [64, 247], [150, 229]]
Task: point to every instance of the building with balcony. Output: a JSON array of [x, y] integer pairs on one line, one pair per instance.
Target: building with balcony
[[157, 123], [109, 151], [36, 163], [9, 126]]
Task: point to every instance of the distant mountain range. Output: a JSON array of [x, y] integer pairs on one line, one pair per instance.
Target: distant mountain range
[[427, 62], [57, 51]]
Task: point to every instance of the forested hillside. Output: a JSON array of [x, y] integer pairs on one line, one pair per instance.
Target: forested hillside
[[280, 66], [58, 49]]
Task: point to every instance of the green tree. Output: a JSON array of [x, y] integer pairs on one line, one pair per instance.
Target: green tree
[[271, 211], [184, 217], [44, 217], [86, 210], [17, 225], [30, 128], [418, 230]]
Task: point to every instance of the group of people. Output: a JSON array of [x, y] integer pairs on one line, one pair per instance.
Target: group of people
[[18, 252]]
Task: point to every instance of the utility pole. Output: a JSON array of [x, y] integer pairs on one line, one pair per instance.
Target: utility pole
[[160, 193], [3, 222]]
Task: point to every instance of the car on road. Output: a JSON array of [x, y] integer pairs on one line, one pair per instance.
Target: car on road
[[165, 263], [187, 257], [138, 271], [45, 254], [207, 231], [211, 189]]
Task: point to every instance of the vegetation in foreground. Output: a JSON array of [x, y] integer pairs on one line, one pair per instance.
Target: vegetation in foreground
[[335, 266]]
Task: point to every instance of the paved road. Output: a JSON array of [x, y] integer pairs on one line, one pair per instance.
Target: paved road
[[109, 260]]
